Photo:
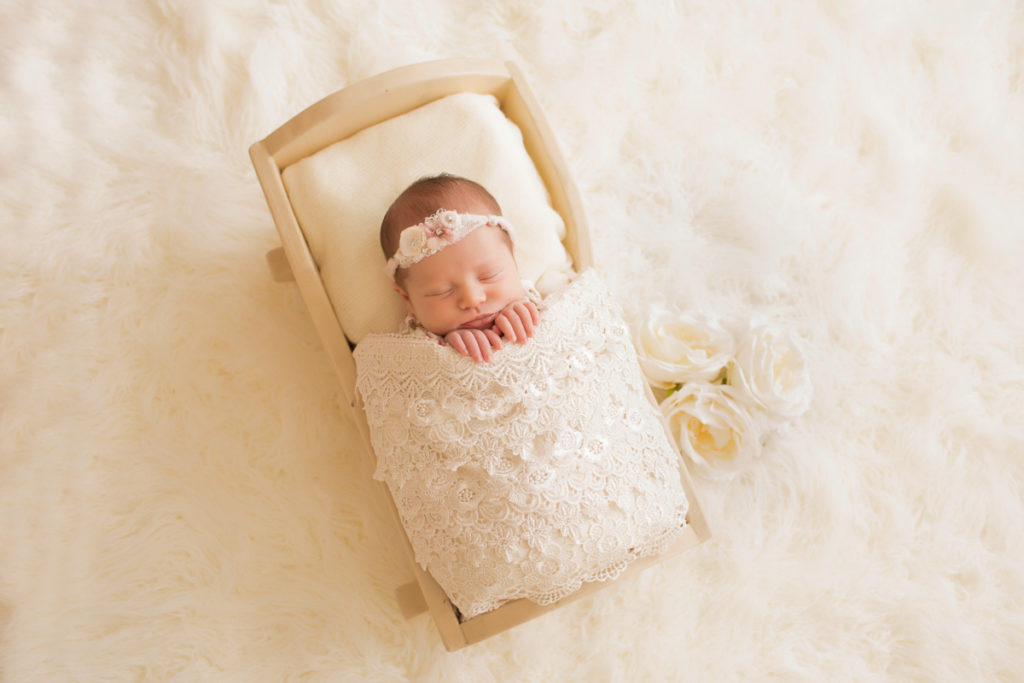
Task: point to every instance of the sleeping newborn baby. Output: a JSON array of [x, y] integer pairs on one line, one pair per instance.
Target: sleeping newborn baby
[[452, 264], [522, 469]]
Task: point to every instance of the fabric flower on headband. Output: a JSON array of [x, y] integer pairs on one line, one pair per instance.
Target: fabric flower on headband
[[442, 229]]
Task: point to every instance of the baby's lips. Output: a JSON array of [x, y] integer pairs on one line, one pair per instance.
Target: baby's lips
[[481, 322]]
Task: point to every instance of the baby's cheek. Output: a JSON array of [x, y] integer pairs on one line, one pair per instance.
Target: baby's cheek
[[516, 293]]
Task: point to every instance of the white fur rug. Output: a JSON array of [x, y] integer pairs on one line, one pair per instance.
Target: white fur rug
[[182, 499]]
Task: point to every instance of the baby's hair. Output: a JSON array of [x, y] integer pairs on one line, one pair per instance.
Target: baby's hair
[[426, 196]]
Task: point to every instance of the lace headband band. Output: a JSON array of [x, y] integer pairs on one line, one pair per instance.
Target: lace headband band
[[442, 229]]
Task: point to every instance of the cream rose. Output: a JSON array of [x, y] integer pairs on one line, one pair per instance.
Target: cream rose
[[714, 427], [770, 366], [674, 348]]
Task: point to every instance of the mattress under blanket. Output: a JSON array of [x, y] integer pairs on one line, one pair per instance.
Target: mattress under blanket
[[529, 475]]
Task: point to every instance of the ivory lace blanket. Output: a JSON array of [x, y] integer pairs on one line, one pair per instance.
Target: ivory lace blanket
[[527, 476]]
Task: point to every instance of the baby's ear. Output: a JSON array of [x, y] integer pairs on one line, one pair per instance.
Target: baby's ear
[[405, 297]]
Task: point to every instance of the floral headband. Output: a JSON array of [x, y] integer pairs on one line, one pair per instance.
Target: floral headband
[[443, 229]]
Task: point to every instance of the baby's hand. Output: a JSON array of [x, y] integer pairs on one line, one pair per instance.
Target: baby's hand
[[476, 344], [517, 321]]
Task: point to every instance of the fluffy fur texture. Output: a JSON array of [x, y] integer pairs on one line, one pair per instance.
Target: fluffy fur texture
[[182, 498]]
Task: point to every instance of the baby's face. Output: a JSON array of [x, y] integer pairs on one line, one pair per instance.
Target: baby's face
[[465, 284]]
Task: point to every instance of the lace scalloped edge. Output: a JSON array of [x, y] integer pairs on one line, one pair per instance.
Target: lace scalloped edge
[[652, 548]]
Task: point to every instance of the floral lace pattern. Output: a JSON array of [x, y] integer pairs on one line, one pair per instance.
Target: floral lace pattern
[[530, 475]]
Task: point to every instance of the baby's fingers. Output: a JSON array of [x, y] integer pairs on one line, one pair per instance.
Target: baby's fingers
[[483, 341], [528, 316], [534, 313], [504, 323], [455, 341], [475, 352], [521, 325], [494, 338]]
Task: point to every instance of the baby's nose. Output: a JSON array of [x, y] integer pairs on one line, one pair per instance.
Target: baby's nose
[[472, 295]]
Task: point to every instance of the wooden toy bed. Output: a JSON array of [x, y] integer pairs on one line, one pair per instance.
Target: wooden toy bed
[[355, 109]]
